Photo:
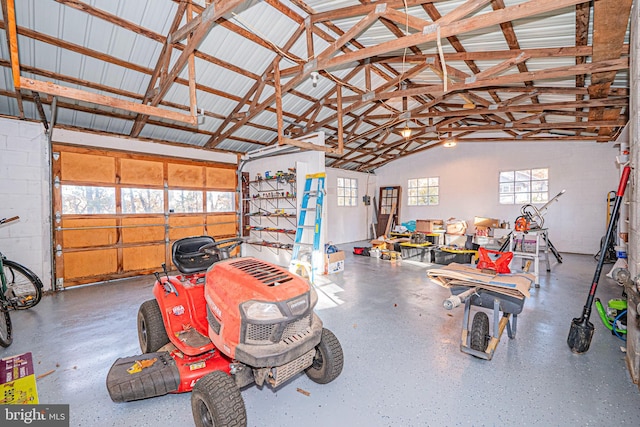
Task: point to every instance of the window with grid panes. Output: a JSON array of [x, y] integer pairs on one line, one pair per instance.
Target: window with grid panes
[[347, 192], [524, 186], [423, 191]]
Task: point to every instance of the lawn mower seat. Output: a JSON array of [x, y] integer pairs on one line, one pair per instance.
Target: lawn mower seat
[[187, 257]]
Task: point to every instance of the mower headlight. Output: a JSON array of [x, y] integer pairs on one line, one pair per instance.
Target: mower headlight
[[256, 310]]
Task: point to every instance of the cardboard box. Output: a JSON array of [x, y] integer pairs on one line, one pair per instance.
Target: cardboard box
[[429, 225], [480, 221], [334, 263], [456, 226]]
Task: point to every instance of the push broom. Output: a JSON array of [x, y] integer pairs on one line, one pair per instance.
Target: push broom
[[581, 331]]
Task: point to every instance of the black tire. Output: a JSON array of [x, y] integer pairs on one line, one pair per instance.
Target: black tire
[[216, 401], [480, 331], [24, 288], [151, 332], [328, 361], [6, 336]]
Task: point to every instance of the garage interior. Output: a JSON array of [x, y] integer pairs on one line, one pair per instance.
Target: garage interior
[[126, 126]]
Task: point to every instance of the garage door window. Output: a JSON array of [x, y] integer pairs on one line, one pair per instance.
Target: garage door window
[[221, 201], [88, 200], [142, 200], [185, 201]]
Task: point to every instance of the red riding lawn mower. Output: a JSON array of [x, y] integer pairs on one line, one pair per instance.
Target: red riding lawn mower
[[243, 321]]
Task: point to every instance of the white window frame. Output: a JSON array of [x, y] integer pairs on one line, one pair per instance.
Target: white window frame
[[347, 192], [523, 186], [426, 185]]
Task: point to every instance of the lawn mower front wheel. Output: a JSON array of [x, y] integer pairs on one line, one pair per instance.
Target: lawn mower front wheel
[[328, 361], [216, 401], [151, 332]]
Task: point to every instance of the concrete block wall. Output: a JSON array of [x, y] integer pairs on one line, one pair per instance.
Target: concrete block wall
[[24, 191]]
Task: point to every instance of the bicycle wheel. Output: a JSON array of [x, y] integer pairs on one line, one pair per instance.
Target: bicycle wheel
[[24, 288], [6, 338]]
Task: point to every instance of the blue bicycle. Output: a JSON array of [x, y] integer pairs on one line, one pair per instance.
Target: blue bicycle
[[20, 289]]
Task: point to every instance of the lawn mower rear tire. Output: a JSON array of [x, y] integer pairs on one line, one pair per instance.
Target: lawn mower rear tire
[[152, 334], [480, 331], [328, 361], [216, 401]]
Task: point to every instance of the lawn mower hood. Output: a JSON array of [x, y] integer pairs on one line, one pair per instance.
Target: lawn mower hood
[[260, 314]]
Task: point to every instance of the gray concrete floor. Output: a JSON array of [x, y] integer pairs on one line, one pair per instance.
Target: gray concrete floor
[[403, 366]]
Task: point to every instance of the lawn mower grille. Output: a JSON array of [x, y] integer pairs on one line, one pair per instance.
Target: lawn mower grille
[[278, 332], [297, 329], [282, 373], [268, 274]]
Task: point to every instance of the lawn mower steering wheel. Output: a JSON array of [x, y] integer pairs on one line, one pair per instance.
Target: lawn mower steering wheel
[[223, 252]]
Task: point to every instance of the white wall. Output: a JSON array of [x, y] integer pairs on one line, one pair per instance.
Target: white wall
[[469, 185], [24, 189], [349, 223]]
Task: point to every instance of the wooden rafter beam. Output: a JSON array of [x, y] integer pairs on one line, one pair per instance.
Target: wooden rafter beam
[[497, 17], [353, 11], [208, 17], [527, 9], [528, 126], [495, 55], [610, 22], [9, 14], [220, 136], [550, 73], [82, 95]]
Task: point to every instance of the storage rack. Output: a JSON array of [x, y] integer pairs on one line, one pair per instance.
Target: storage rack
[[273, 211]]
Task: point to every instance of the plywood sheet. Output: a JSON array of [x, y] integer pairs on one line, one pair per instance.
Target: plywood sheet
[[141, 172], [218, 178], [90, 233], [185, 226], [140, 234], [90, 263], [221, 225], [180, 175], [143, 258], [87, 168]]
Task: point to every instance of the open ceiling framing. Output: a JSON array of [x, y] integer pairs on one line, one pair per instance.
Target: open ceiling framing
[[233, 75]]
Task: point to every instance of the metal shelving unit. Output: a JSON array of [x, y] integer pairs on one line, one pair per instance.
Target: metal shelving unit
[[273, 212]]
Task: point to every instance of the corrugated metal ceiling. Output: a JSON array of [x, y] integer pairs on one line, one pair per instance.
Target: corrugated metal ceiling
[[112, 48]]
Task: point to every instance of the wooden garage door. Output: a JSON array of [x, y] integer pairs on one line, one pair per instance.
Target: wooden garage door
[[117, 214]]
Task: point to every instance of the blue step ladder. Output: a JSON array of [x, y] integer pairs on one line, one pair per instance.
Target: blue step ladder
[[307, 254]]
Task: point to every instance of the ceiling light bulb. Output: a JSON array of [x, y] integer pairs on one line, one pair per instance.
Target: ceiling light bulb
[[314, 78], [450, 143], [406, 132]]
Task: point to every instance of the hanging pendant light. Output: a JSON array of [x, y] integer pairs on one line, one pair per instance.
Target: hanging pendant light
[[406, 132]]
